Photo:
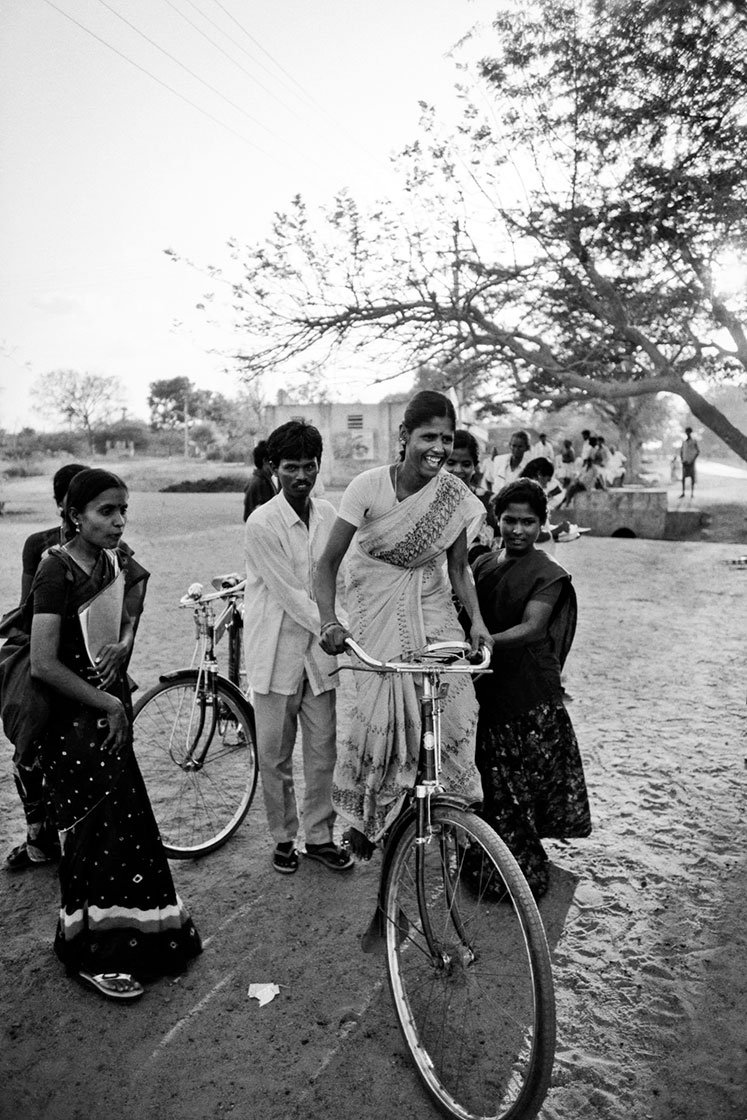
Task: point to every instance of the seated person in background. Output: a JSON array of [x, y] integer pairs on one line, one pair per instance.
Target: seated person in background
[[615, 472], [590, 477], [260, 487]]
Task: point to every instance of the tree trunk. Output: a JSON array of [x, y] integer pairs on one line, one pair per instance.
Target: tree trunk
[[712, 418]]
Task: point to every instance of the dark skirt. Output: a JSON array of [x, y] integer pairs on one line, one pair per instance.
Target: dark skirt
[[533, 784], [119, 910]]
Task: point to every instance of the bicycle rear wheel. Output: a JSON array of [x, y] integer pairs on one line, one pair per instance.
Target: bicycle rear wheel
[[199, 761], [470, 976]]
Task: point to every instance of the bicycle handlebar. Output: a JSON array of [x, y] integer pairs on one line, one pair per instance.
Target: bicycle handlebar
[[195, 595], [436, 656]]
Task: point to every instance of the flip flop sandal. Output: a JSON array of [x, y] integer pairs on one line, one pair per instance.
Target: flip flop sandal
[[355, 842], [113, 985], [333, 858], [285, 862], [19, 859]]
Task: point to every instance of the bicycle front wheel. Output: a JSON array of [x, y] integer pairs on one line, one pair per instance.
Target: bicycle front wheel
[[469, 969], [197, 753]]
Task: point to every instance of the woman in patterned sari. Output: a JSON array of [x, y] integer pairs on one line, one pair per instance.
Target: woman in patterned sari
[[527, 754], [120, 918], [404, 529]]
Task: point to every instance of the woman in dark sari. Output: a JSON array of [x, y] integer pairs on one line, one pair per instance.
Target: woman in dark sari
[[527, 754], [120, 918]]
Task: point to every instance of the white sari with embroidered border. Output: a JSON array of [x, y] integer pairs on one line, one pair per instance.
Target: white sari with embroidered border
[[399, 597]]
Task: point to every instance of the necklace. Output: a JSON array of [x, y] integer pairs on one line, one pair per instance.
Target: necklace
[[396, 474]]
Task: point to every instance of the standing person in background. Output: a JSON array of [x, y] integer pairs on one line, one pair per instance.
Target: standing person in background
[[565, 463], [121, 920], [527, 753], [260, 488], [487, 470], [407, 526], [541, 471], [508, 467], [602, 456], [462, 463], [37, 544], [586, 446], [41, 844], [542, 449], [689, 452], [291, 678]]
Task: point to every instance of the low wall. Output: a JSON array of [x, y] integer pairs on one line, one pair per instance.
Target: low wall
[[625, 511]]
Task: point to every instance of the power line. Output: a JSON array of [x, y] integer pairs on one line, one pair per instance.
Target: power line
[[183, 66], [310, 98], [230, 58], [256, 42], [160, 82], [243, 50]]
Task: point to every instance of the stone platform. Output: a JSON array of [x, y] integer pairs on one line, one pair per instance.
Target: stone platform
[[634, 511]]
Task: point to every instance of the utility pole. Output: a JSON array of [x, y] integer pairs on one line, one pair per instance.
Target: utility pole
[[186, 423]]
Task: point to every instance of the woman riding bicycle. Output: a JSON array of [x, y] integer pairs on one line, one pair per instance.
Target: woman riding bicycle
[[408, 525]]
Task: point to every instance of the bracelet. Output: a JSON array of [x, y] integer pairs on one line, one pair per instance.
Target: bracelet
[[328, 626]]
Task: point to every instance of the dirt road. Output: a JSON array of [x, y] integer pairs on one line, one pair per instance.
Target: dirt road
[[647, 918]]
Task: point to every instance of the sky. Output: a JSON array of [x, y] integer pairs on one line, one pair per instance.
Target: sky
[[132, 126]]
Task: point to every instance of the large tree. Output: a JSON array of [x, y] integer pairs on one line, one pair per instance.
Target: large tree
[[571, 240], [82, 400]]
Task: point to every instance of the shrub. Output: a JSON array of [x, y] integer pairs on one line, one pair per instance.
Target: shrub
[[222, 484]]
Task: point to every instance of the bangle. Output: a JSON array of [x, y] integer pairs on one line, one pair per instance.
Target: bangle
[[328, 626]]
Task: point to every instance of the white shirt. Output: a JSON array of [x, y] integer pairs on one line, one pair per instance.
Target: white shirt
[[542, 450], [503, 472], [281, 619]]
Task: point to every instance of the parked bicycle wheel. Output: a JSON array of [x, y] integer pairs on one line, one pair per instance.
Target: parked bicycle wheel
[[198, 759], [470, 975]]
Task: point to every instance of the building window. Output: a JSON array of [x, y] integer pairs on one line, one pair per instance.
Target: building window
[[355, 422]]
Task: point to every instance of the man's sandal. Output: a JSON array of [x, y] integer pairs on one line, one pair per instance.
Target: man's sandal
[[333, 858], [113, 985], [285, 859]]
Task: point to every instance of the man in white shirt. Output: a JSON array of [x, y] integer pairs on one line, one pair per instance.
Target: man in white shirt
[[287, 671], [542, 449], [508, 467]]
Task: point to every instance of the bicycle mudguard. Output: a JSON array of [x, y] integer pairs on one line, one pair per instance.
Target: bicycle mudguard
[[406, 817], [191, 675]]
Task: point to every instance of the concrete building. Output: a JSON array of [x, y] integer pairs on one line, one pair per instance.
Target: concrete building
[[356, 436]]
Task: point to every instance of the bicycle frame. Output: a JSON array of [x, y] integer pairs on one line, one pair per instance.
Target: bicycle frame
[[429, 765], [209, 631]]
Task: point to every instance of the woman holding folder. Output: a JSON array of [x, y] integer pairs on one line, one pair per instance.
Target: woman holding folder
[[121, 920]]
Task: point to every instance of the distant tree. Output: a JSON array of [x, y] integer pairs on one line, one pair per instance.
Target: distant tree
[[601, 198], [166, 401], [212, 407], [82, 400]]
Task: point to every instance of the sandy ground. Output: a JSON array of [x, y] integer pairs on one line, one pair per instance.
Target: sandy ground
[[647, 919]]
